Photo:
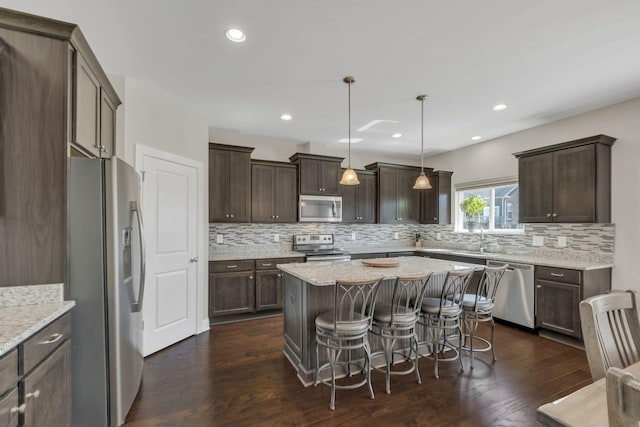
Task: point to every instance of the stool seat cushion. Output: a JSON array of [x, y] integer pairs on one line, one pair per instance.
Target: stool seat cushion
[[484, 303], [358, 325], [403, 315], [432, 306]]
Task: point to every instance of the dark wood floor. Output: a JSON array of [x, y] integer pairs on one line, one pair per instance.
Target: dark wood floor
[[237, 375]]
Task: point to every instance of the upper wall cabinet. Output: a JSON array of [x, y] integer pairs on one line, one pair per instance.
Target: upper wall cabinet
[[273, 191], [398, 202], [567, 182], [435, 203], [41, 61], [359, 201], [317, 175], [229, 183]]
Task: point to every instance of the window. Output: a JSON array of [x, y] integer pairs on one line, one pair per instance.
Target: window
[[501, 207]]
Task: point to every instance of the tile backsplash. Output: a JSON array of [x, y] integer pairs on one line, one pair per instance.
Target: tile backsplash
[[583, 241]]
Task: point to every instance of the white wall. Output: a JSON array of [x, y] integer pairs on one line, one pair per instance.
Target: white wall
[[152, 118], [494, 159], [267, 148]]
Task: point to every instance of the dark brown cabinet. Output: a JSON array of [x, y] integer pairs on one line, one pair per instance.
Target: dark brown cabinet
[[359, 201], [246, 286], [273, 191], [567, 182], [558, 294], [435, 203], [398, 202], [229, 183], [35, 379], [317, 175], [52, 86]]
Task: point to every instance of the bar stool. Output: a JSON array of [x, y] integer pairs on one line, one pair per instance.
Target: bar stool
[[441, 316], [397, 321], [478, 308], [346, 327]]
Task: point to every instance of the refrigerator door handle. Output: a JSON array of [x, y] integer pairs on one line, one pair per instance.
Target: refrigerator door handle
[[137, 306]]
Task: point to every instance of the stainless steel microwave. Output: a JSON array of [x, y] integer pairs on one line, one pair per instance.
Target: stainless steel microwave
[[320, 209]]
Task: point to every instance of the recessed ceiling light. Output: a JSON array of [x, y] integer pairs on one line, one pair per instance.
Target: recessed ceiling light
[[475, 138], [396, 135], [353, 140], [235, 35], [499, 107], [286, 117]]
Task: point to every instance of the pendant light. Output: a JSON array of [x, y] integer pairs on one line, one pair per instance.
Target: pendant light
[[422, 182], [349, 177]]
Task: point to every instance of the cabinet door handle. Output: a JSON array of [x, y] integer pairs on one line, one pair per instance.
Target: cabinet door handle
[[266, 264], [232, 266], [19, 409], [435, 218], [548, 215], [52, 339], [279, 275], [554, 215], [231, 216], [557, 274], [250, 277], [273, 216], [538, 286], [34, 395], [226, 216], [277, 217]]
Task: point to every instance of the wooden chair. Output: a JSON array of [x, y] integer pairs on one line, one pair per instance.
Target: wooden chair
[[623, 398], [611, 331]]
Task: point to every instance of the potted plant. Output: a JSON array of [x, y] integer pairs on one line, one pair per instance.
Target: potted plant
[[472, 206]]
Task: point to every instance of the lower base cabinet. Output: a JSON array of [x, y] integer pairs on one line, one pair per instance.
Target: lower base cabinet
[[246, 286], [558, 295], [35, 379]]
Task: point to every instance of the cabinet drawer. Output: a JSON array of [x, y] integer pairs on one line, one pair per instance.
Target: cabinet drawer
[[39, 346], [270, 263], [9, 408], [8, 371], [225, 266], [558, 274]]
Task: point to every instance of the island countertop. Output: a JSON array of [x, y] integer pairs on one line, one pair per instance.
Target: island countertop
[[327, 273]]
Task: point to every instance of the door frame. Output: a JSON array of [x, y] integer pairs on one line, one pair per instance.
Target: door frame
[[202, 227]]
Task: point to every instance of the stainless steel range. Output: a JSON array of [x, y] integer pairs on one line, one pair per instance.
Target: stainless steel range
[[318, 247]]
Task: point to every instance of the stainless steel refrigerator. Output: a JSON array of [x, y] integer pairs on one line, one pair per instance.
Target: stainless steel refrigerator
[[106, 246]]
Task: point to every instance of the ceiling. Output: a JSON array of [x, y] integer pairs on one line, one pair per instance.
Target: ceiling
[[545, 59]]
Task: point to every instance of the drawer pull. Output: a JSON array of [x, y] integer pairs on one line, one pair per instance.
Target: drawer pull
[[19, 409], [232, 266], [268, 264], [52, 339], [557, 274], [250, 277], [34, 394]]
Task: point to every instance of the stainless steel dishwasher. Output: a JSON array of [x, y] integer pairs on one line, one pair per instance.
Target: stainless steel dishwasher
[[515, 297]]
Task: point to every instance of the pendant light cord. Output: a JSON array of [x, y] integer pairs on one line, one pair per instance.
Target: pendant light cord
[[422, 135], [349, 161]]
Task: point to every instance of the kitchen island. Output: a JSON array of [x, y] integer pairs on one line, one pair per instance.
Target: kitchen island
[[308, 291]]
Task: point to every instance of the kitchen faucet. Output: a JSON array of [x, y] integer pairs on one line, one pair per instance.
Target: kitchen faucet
[[482, 241]]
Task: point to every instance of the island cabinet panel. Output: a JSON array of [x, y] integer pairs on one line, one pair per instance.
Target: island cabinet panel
[[558, 295], [317, 175], [567, 182], [398, 202], [229, 183], [359, 201], [435, 203], [273, 192]]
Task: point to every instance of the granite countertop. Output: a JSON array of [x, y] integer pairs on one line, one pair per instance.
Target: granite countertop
[[518, 258], [24, 310], [326, 273], [232, 256], [19, 322]]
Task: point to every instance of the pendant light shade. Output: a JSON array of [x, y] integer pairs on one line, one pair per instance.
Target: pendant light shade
[[349, 177], [422, 182]]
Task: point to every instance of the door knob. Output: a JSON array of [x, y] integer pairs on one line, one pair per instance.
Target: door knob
[[194, 259]]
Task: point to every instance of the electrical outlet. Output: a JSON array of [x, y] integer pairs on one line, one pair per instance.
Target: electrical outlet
[[219, 238], [276, 237], [353, 235], [537, 241], [395, 236], [562, 242], [438, 236]]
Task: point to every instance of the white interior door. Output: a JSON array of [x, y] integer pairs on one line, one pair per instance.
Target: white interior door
[[169, 200]]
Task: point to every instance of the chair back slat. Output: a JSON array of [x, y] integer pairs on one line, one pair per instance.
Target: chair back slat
[[355, 301], [611, 331], [623, 398], [454, 288], [488, 286], [408, 293]]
